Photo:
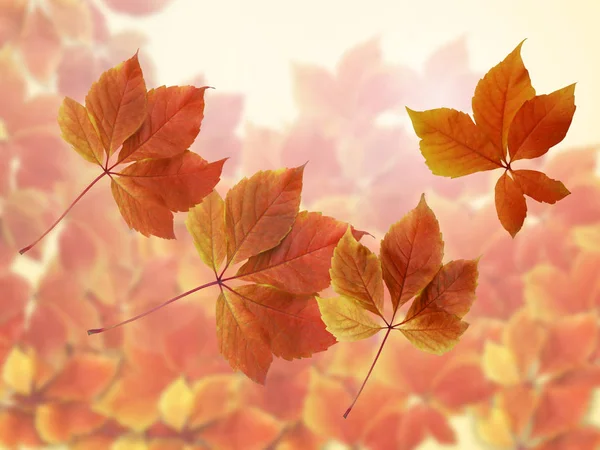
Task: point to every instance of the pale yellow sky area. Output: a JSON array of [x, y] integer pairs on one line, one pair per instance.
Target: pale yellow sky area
[[248, 46]]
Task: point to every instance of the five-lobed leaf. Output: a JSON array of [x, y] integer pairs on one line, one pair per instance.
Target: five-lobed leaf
[[411, 265], [288, 260], [510, 121], [155, 129]]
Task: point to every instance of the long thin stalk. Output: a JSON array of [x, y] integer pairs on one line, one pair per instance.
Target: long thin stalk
[[30, 246], [369, 374], [150, 311]]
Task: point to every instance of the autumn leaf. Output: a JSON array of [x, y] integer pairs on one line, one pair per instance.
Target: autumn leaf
[[287, 255], [153, 130], [410, 264], [511, 123]]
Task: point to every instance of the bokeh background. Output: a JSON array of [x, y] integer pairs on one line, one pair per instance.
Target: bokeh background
[[327, 82]]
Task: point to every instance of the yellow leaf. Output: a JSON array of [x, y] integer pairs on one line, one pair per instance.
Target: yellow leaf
[[346, 319], [176, 403], [495, 429], [19, 371], [500, 365]]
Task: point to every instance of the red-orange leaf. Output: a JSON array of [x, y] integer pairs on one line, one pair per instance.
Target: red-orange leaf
[[173, 122], [510, 204], [411, 253], [260, 211], [250, 320], [452, 289], [117, 103], [149, 190], [301, 262], [179, 182], [499, 95], [539, 186], [166, 177], [541, 123]]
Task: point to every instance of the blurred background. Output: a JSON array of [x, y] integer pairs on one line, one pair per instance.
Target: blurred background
[[327, 82]]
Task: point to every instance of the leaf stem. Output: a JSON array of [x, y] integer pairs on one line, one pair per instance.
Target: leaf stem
[[368, 374], [150, 311], [30, 246]]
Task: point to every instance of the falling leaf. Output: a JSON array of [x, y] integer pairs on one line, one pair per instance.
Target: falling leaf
[[153, 129], [410, 264], [511, 123]]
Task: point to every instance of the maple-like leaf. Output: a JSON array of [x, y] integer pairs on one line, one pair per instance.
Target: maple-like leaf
[[153, 130], [511, 123], [288, 256], [410, 264]]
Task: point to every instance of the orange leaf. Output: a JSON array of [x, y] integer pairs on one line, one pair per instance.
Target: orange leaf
[[507, 114], [260, 211], [165, 177], [434, 330], [420, 421], [149, 190], [356, 273], [117, 103], [559, 409], [411, 253], [61, 422], [499, 95], [301, 262], [260, 313], [571, 341], [241, 338], [179, 182], [40, 45], [248, 428], [173, 122], [452, 144], [452, 289], [83, 378], [510, 204], [541, 123], [539, 186]]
